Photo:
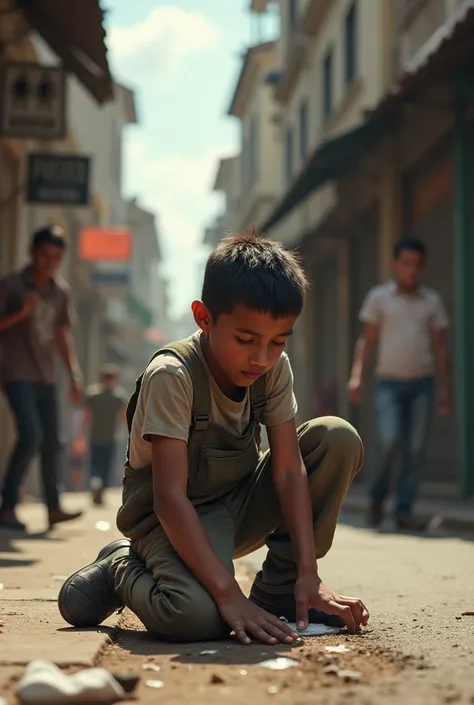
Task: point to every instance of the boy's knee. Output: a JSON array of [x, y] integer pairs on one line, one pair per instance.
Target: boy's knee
[[336, 438], [189, 617]]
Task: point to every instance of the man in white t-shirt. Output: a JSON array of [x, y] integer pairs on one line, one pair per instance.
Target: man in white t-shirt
[[409, 323]]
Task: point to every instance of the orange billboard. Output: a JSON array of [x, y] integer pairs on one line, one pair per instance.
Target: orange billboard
[[105, 244]]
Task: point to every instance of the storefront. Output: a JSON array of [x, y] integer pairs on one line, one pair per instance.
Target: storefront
[[429, 215], [364, 258]]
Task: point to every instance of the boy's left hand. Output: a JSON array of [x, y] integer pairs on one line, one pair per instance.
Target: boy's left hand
[[310, 591]]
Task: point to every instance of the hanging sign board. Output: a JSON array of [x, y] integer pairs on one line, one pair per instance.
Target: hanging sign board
[[32, 101], [58, 179], [97, 244]]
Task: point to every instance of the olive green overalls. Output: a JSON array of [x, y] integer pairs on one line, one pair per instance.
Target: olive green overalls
[[230, 485]]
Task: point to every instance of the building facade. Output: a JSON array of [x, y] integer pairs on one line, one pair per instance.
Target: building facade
[[375, 142]]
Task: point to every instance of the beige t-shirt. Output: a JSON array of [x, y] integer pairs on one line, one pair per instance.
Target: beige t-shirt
[[164, 406], [405, 324]]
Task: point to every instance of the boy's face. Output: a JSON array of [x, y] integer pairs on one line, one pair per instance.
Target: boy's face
[[46, 260], [243, 344], [408, 268], [109, 381]]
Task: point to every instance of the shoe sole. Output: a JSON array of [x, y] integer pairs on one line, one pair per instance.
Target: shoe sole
[[103, 553]]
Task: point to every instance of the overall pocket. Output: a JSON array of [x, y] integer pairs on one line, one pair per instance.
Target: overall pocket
[[220, 470]]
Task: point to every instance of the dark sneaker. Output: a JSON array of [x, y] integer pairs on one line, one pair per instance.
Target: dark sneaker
[[411, 523], [374, 515], [88, 596], [285, 606], [97, 491], [57, 516], [9, 520]]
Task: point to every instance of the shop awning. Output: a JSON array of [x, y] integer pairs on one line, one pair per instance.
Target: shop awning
[[329, 162], [449, 51], [76, 34]]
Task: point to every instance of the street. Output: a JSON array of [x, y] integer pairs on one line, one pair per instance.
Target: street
[[417, 649]]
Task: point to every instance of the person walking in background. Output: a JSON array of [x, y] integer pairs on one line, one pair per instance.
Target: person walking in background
[[36, 315], [409, 322], [105, 407], [77, 451]]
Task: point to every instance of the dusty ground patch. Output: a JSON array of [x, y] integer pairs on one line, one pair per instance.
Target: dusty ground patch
[[234, 671]]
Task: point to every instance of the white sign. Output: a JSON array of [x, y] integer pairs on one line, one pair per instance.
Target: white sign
[[32, 102]]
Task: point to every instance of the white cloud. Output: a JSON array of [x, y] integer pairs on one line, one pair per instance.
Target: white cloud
[[178, 189], [155, 47]]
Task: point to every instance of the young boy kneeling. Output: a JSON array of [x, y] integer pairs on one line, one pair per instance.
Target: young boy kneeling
[[197, 492]]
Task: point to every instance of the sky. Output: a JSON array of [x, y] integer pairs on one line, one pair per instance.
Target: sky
[[183, 64]]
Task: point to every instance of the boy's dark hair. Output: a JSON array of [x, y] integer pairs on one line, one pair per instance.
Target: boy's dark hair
[[413, 244], [252, 270], [109, 371], [49, 235]]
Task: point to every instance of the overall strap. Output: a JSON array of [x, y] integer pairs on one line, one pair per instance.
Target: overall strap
[[200, 379], [258, 396], [133, 401]]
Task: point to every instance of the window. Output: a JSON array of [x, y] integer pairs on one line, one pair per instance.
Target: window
[[351, 44], [292, 13], [303, 129], [327, 84], [289, 154]]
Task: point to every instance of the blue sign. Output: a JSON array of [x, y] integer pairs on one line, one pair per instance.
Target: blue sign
[[108, 275]]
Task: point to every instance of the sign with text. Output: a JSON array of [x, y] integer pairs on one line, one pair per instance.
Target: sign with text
[[32, 101], [58, 179], [109, 275], [98, 244]]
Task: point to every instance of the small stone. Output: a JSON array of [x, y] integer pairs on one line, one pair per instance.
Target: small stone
[[243, 672], [279, 664], [332, 670], [151, 667], [340, 649], [215, 679], [155, 684], [273, 690], [349, 676]]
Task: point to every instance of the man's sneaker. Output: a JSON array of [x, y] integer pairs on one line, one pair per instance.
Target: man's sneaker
[[375, 515], [88, 596], [412, 523], [58, 516], [9, 520], [97, 491]]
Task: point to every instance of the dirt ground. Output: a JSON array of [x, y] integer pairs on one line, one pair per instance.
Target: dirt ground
[[417, 650], [233, 671]]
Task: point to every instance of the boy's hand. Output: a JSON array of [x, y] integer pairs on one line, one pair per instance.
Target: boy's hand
[[310, 591], [355, 390], [247, 621]]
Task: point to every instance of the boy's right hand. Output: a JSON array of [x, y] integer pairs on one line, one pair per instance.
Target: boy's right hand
[[30, 300], [247, 621], [355, 389]]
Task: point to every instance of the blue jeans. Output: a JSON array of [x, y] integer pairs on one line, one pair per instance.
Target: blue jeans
[[35, 413], [403, 418], [101, 459]]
